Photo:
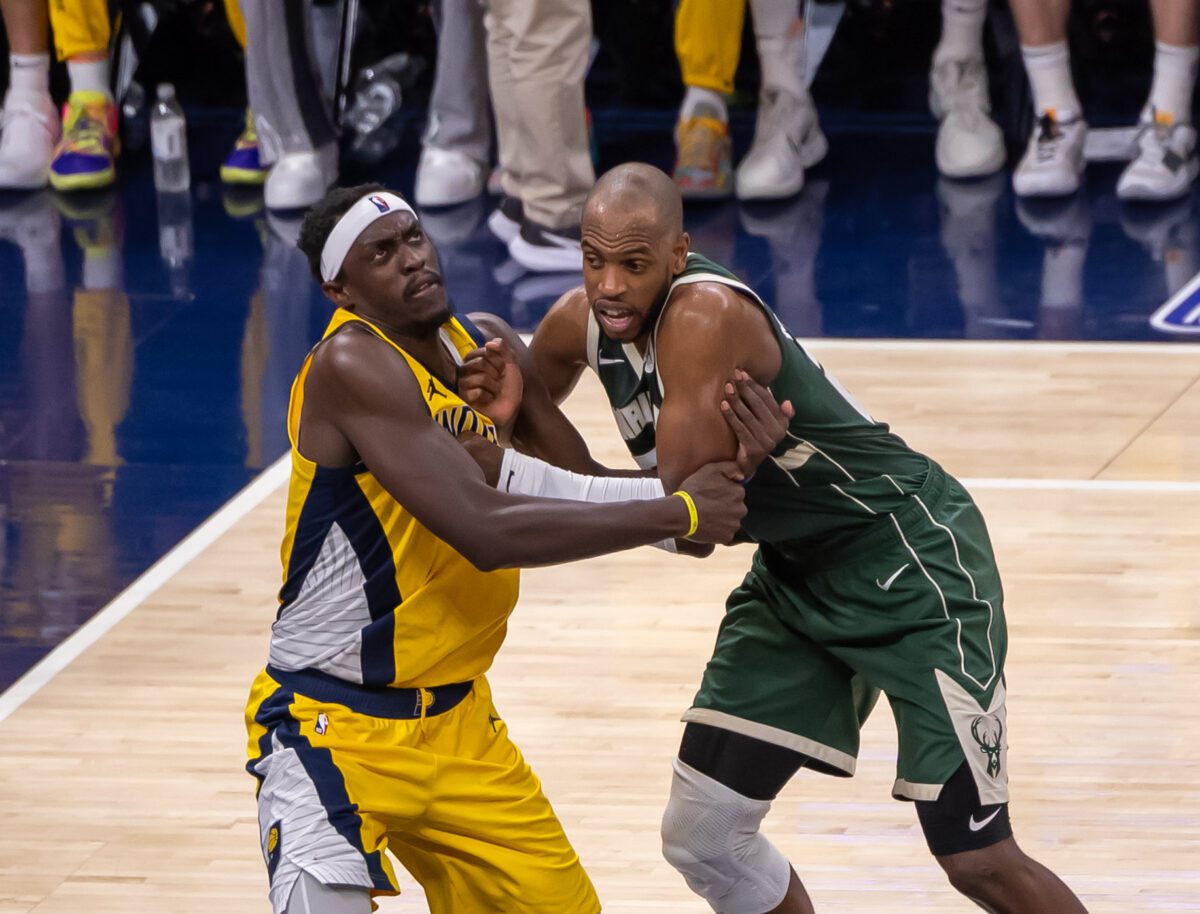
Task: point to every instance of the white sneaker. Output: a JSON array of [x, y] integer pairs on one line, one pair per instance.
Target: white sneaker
[[969, 144], [787, 140], [300, 179], [1166, 163], [546, 250], [31, 129], [1053, 163], [447, 177]]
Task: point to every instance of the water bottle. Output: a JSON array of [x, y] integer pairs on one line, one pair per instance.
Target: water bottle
[[168, 143], [176, 242]]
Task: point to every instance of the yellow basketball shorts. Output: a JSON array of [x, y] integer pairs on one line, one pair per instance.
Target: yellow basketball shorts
[[447, 793]]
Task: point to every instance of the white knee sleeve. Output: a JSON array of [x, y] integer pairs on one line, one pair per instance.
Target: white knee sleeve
[[311, 896], [710, 834]]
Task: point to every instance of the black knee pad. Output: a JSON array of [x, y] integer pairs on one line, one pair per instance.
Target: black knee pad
[[956, 822]]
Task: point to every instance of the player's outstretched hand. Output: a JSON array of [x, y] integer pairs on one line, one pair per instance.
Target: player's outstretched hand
[[490, 381], [758, 421], [720, 501]]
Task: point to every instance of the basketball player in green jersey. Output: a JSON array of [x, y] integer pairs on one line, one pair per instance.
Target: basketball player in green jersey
[[874, 571]]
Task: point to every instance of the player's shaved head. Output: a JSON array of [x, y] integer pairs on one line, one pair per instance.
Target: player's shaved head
[[633, 245], [634, 190]]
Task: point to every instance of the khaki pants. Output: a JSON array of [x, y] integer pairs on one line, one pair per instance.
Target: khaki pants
[[537, 55]]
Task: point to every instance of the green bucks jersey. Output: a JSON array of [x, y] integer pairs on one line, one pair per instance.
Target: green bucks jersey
[[835, 472]]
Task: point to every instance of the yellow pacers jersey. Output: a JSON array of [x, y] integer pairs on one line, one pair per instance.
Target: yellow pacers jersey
[[370, 595]]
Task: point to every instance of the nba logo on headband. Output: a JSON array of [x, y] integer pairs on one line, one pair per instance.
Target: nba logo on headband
[[351, 225]]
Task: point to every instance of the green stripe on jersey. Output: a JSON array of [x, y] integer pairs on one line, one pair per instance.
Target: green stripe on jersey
[[837, 470]]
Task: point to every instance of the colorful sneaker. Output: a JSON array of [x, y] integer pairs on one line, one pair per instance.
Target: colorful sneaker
[[85, 158], [242, 165], [1166, 163], [704, 169]]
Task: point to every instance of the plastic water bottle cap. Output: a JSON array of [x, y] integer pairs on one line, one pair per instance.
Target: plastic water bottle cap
[[166, 92]]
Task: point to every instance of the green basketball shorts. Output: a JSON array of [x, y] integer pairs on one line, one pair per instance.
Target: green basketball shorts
[[913, 609]]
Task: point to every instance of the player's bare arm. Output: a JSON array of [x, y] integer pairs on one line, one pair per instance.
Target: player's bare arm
[[708, 333], [362, 402], [540, 428], [560, 344], [757, 421]]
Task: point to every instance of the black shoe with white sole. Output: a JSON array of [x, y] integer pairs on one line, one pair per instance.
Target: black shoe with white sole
[[505, 220], [547, 250]]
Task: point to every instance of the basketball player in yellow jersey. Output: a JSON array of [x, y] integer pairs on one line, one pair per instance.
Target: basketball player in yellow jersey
[[372, 727]]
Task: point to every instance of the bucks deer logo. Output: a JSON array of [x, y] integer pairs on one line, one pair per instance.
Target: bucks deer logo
[[988, 733]]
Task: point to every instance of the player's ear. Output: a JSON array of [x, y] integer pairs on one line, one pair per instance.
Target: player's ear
[[679, 253], [336, 293]]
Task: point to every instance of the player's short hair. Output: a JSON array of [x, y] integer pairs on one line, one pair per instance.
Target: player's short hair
[[323, 216]]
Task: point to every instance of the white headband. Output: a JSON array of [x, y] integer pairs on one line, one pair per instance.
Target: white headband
[[352, 224]]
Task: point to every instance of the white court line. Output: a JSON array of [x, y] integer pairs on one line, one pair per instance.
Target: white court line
[[136, 593], [276, 475], [1166, 347], [1086, 485]]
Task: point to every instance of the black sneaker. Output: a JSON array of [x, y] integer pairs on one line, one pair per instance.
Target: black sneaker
[[505, 220], [547, 250]]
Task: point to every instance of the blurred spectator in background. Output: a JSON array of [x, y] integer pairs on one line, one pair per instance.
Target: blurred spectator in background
[[1165, 163], [787, 137], [85, 155], [537, 58], [29, 120], [969, 144], [457, 146], [296, 137]]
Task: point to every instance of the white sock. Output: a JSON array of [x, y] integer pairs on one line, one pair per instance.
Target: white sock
[[1049, 69], [697, 96], [779, 36], [30, 72], [962, 30], [89, 76], [1174, 80]]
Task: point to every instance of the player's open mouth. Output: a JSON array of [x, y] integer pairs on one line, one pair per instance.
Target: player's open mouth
[[615, 320], [424, 285]]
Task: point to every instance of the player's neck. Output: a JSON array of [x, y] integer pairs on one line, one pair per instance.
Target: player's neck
[[422, 342]]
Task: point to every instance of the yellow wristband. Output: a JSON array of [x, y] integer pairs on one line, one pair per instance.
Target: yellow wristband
[[693, 514]]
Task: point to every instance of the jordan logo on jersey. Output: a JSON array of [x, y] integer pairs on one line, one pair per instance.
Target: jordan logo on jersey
[[431, 390]]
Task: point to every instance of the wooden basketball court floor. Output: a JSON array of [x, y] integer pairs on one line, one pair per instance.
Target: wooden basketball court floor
[[121, 760]]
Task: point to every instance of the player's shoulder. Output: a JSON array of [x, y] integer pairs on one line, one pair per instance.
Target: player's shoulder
[[564, 328], [571, 309], [708, 307], [357, 362]]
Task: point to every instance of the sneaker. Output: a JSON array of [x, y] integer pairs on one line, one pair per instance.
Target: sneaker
[[969, 144], [505, 220], [1166, 163], [85, 158], [704, 169], [300, 179], [787, 140], [1054, 161], [242, 165], [447, 177], [31, 129], [546, 250]]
